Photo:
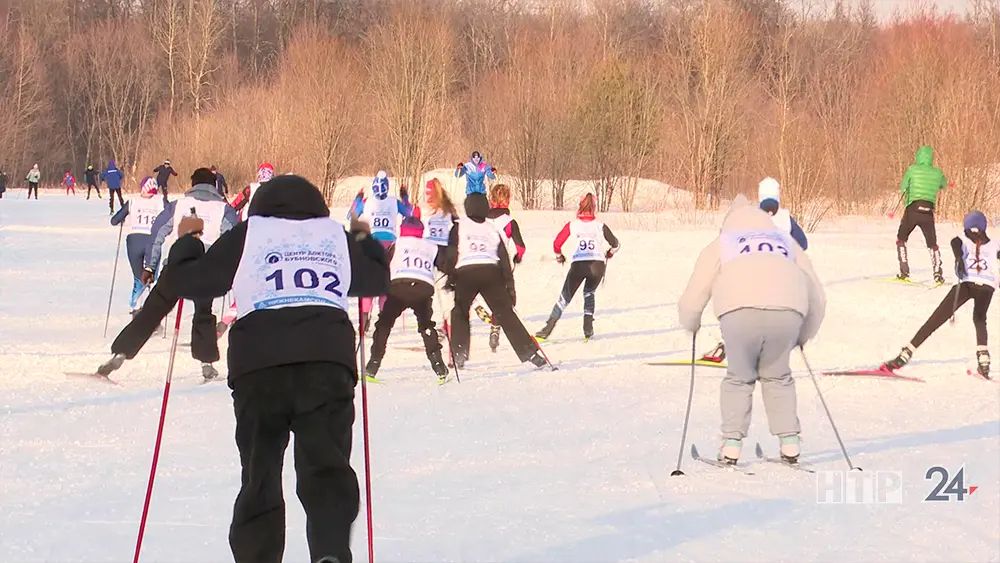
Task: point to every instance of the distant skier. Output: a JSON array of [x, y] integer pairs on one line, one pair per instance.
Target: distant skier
[[69, 182], [220, 181], [510, 234], [242, 200], [920, 187], [477, 264], [113, 177], [34, 177], [3, 182], [138, 213], [163, 173], [593, 245], [977, 263], [218, 217], [382, 212], [769, 196], [475, 171], [91, 177], [411, 264], [768, 300]]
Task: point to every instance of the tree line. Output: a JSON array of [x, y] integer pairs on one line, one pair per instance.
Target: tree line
[[706, 95]]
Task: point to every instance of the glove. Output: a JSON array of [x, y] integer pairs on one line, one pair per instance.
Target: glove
[[147, 277], [359, 226], [609, 254], [494, 170], [960, 270], [191, 226], [560, 258], [517, 258], [513, 295], [460, 165], [449, 284]]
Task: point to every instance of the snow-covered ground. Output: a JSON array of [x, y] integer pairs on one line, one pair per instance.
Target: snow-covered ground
[[511, 464]]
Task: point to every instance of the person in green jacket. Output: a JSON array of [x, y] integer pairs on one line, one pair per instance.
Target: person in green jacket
[[919, 188]]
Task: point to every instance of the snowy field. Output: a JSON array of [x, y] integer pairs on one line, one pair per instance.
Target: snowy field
[[510, 465]]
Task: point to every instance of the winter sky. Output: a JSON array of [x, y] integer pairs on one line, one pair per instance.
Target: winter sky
[[885, 8]]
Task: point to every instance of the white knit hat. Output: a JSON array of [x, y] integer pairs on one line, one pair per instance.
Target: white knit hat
[[769, 188]]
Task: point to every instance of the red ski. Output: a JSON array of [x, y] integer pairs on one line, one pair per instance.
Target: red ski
[[976, 374], [882, 372]]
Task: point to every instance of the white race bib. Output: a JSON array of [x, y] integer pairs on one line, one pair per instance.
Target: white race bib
[[382, 214], [477, 243], [438, 227], [141, 214], [783, 220], [211, 212], [984, 269], [588, 239], [741, 243], [288, 263], [413, 258]]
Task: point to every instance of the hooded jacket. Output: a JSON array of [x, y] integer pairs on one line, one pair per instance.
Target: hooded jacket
[[275, 337], [762, 280], [163, 225], [476, 210], [475, 176], [112, 176], [922, 180]]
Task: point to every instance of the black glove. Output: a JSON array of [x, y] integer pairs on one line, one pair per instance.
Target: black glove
[[513, 295], [960, 270], [460, 165], [517, 258], [560, 258], [147, 277]]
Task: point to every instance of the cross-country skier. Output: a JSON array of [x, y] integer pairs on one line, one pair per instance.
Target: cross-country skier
[[475, 171], [69, 182], [977, 263], [478, 264], [264, 173], [442, 216], [90, 176], [34, 177], [113, 177], [3, 182], [920, 187], [769, 196], [138, 213], [292, 366], [768, 301], [593, 245], [381, 211], [411, 263], [218, 217], [163, 173]]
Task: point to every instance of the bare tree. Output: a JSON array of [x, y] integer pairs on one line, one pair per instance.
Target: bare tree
[[24, 105], [199, 51]]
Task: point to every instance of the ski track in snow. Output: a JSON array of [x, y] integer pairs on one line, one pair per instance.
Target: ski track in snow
[[511, 464]]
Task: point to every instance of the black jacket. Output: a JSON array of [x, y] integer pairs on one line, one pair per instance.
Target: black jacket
[[90, 175], [270, 338], [163, 174], [451, 259]]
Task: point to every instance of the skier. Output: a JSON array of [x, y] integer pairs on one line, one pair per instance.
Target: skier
[[113, 177], [920, 187], [411, 263], [768, 301], [264, 173], [291, 357], [510, 233], [593, 245], [475, 172], [70, 183], [477, 264], [383, 210], [34, 177], [220, 181], [769, 196], [977, 263], [163, 173], [219, 217], [90, 176], [138, 213], [443, 214], [3, 182]]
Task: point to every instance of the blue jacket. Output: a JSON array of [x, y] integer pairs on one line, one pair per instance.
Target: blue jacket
[[163, 225], [475, 177], [771, 206], [112, 176], [403, 207]]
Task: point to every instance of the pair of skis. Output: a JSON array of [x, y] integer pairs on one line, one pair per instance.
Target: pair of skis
[[926, 285], [744, 469], [881, 372]]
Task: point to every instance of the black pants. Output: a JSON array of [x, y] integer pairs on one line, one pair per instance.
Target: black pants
[[589, 273], [407, 294], [981, 296], [486, 280], [32, 186], [161, 300], [163, 191], [111, 198], [95, 188], [920, 214], [315, 401]]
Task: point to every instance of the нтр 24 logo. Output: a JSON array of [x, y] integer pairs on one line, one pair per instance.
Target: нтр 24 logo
[[948, 488]]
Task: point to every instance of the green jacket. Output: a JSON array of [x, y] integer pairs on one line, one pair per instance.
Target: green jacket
[[922, 179]]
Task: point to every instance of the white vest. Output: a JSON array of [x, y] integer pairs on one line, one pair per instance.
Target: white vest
[[783, 220], [211, 212], [437, 227], [501, 223], [734, 244], [477, 243], [588, 240], [288, 263], [141, 214], [984, 270], [382, 214], [413, 258]]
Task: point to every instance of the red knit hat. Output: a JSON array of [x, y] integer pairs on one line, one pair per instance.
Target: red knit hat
[[412, 226]]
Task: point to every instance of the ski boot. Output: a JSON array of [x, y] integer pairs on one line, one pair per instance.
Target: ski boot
[[936, 265], [459, 359], [208, 371], [220, 329], [538, 360], [717, 355], [440, 369], [790, 448], [729, 451], [588, 327], [371, 369], [494, 338], [983, 361], [899, 361], [484, 315], [111, 365], [546, 331], [328, 559]]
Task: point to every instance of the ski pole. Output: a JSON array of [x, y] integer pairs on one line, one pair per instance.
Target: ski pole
[[535, 340], [447, 334], [114, 272], [159, 431], [829, 417], [954, 304], [892, 214], [687, 411], [364, 425]]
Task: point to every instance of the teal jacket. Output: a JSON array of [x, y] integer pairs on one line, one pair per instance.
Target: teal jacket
[[922, 180]]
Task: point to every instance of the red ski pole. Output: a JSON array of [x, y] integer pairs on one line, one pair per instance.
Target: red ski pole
[[364, 425], [159, 431]]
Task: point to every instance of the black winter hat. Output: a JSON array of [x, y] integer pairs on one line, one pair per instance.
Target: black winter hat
[[288, 197], [476, 206]]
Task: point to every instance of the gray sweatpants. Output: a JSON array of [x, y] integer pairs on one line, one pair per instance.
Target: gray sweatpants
[[758, 345]]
